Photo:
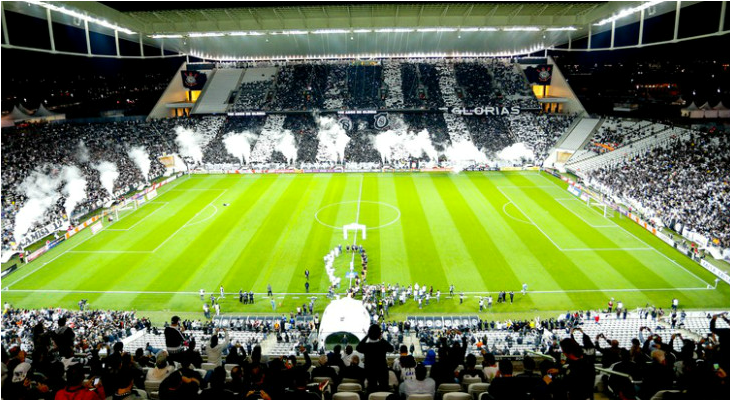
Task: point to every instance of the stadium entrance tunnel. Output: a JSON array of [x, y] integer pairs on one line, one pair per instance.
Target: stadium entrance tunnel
[[372, 214], [341, 338], [343, 319]]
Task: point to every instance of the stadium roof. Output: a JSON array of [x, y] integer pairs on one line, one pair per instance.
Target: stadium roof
[[222, 31]]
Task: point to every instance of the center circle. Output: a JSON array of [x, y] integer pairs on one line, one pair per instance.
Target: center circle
[[360, 211]]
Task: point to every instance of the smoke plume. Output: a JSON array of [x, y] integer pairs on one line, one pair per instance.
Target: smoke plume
[[516, 152], [141, 160], [74, 188], [41, 192], [239, 145], [190, 143], [462, 154], [82, 154], [288, 146], [399, 144], [332, 139], [108, 173]]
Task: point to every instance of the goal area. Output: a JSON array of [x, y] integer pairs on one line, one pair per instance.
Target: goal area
[[607, 209]]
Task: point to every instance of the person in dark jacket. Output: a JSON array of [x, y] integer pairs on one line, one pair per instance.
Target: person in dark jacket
[[470, 369], [174, 339], [324, 370], [217, 388], [354, 370], [375, 349], [441, 371], [578, 374], [504, 386]]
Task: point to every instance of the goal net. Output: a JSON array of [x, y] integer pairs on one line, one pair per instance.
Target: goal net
[[128, 204], [604, 208]]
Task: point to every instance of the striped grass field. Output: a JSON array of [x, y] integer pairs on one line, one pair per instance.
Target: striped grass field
[[481, 231]]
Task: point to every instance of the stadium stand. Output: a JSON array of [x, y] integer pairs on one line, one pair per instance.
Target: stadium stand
[[637, 343], [325, 113], [682, 183]]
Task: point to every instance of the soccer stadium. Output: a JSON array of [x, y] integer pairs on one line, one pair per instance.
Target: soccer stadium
[[401, 200]]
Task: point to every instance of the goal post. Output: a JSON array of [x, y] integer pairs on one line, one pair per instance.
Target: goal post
[[606, 209]]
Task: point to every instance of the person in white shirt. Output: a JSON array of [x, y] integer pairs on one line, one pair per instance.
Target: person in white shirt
[[161, 369], [420, 385], [489, 366], [215, 348]]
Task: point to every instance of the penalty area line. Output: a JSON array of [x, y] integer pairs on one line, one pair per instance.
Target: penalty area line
[[601, 290]]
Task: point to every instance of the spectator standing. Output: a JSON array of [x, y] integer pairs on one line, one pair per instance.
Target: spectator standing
[[215, 349], [174, 339], [375, 348]]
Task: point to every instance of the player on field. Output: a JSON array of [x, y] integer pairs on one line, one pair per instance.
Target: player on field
[[524, 288]]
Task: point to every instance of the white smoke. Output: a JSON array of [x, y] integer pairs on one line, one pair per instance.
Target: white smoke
[[288, 146], [399, 144], [516, 152], [82, 154], [190, 143], [74, 189], [141, 160], [41, 191], [108, 173], [239, 145], [332, 139], [462, 154]]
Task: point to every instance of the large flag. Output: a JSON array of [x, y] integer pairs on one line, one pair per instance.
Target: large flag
[[540, 75], [193, 80]]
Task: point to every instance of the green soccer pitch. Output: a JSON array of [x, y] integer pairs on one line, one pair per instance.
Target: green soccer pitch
[[480, 231]]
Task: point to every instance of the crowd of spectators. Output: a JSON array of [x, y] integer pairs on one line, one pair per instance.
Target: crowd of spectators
[[308, 84], [300, 87], [422, 83], [363, 87], [31, 331], [513, 88], [683, 185], [49, 147], [539, 131], [475, 83], [53, 353], [252, 96], [616, 132]]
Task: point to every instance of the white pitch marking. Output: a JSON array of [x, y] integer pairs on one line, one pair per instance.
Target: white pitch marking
[[339, 228], [173, 184], [613, 249], [504, 210], [581, 218], [111, 251], [526, 187], [186, 223], [138, 222], [528, 217], [283, 295], [208, 217], [357, 220], [647, 244]]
